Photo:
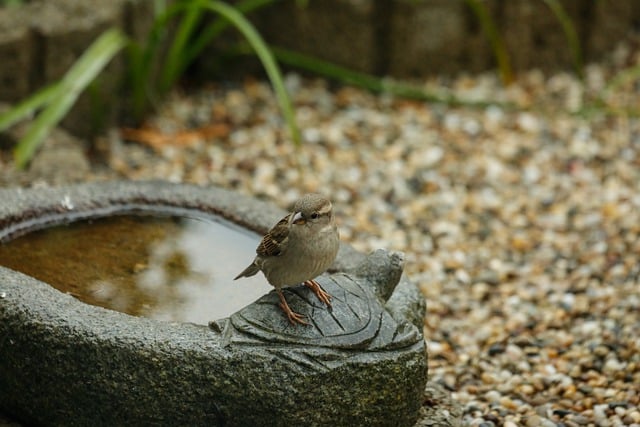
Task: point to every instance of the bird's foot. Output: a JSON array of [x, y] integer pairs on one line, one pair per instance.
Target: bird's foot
[[322, 295], [291, 315]]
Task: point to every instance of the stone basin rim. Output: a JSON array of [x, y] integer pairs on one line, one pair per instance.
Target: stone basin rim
[[16, 224], [18, 228], [27, 210]]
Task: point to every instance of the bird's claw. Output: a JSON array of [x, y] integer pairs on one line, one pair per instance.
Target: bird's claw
[[322, 295], [291, 315]]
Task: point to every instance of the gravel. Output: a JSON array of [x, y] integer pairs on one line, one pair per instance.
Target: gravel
[[521, 225]]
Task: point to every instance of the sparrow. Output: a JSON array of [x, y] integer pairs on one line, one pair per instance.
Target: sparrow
[[301, 246]]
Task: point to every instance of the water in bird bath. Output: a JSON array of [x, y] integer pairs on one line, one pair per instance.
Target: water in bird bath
[[166, 268]]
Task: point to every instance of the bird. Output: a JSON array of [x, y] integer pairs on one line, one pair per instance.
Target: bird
[[300, 247]]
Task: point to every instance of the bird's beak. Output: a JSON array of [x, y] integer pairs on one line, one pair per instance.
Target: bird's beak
[[298, 219]]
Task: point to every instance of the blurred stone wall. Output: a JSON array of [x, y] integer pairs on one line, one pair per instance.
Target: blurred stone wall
[[402, 38], [422, 37]]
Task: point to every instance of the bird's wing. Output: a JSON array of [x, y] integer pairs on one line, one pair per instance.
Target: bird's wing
[[271, 244]]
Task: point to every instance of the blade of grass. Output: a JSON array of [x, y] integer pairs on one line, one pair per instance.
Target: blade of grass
[[495, 40], [265, 56], [137, 80], [570, 33], [186, 47], [622, 78], [83, 71], [216, 28], [611, 92], [174, 63], [28, 107], [142, 78], [368, 81]]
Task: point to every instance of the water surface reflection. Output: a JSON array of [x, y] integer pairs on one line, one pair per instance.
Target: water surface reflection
[[166, 268]]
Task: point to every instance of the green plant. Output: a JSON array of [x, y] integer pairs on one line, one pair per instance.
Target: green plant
[[152, 72], [498, 46], [495, 39], [11, 3], [615, 99], [570, 33], [148, 80], [188, 44], [55, 100], [368, 81]]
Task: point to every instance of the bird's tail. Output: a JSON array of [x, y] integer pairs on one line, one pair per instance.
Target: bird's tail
[[249, 271]]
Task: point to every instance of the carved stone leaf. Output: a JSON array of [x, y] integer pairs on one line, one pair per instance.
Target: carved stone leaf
[[356, 320]]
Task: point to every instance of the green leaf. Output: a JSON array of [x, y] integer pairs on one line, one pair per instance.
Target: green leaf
[[495, 39], [174, 64], [186, 46], [370, 82], [570, 33], [28, 107], [210, 32], [65, 93], [265, 56]]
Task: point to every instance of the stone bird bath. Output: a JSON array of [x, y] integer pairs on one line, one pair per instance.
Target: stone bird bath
[[64, 362]]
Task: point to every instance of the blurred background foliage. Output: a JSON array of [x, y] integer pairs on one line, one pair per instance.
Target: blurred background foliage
[[181, 32]]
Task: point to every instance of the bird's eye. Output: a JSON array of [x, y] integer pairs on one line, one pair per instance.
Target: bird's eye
[[314, 215]]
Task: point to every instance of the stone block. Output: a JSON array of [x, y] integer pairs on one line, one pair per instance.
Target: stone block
[[534, 36], [426, 37], [15, 56], [610, 22], [341, 31]]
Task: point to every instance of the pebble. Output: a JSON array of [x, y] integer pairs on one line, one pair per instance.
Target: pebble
[[520, 225]]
